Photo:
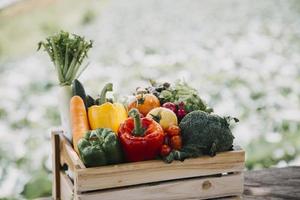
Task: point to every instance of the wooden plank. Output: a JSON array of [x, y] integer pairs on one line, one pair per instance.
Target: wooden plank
[[195, 188], [55, 165], [66, 187], [154, 171], [275, 183], [68, 155]]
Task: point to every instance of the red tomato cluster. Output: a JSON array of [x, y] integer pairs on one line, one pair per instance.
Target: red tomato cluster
[[172, 140]]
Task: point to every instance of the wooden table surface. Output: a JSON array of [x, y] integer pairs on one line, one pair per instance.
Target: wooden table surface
[[277, 183]]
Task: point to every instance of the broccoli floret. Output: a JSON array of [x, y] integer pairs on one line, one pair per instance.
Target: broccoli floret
[[203, 134]]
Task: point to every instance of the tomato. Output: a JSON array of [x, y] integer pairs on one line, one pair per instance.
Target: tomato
[[173, 130], [144, 103], [176, 142], [165, 150]]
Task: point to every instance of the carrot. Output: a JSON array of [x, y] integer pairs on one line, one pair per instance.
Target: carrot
[[79, 119]]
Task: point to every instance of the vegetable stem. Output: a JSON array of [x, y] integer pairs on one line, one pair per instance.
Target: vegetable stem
[[72, 67], [138, 128], [66, 59], [157, 117], [67, 52], [107, 88]]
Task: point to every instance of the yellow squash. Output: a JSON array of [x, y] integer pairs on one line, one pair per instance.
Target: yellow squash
[[106, 115]]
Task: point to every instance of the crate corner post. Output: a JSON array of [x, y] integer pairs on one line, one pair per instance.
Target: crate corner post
[[55, 165]]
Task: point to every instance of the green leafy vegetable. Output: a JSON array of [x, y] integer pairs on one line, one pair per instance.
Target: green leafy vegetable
[[67, 52], [203, 134], [180, 92], [188, 95]]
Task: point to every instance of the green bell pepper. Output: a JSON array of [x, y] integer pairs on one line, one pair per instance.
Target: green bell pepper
[[100, 147]]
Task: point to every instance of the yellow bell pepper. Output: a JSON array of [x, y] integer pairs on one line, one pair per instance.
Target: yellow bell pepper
[[106, 115]]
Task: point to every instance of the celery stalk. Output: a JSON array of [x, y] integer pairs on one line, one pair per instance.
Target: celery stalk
[[67, 52]]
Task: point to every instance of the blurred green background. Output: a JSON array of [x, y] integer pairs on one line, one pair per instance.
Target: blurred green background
[[243, 57]]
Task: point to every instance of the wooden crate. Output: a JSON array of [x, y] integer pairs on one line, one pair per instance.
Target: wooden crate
[[199, 178]]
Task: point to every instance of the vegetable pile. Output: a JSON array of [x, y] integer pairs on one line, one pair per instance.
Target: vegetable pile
[[145, 128], [163, 121], [180, 97]]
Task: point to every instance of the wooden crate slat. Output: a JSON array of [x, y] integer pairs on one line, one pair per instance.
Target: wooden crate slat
[[68, 155], [66, 187], [196, 188], [223, 157], [154, 171]]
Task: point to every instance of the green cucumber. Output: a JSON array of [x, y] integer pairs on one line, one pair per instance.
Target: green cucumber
[[78, 89], [90, 101]]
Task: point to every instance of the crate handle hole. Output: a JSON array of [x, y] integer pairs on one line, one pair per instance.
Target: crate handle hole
[[206, 185]]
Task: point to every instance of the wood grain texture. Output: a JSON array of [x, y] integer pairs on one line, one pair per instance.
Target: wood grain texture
[[154, 171], [195, 188], [280, 183], [66, 187], [68, 155]]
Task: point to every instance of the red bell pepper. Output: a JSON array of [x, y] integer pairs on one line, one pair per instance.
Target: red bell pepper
[[141, 138]]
